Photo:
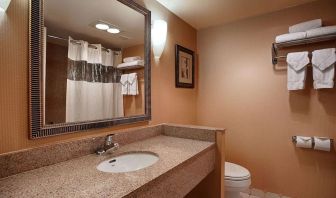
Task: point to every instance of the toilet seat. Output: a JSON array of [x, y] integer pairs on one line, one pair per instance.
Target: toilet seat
[[236, 179], [234, 172]]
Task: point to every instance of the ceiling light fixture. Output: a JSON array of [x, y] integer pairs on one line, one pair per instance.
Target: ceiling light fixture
[[113, 30], [4, 5], [102, 26]]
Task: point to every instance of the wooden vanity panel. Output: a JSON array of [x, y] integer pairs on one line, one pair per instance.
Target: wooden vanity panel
[[213, 185]]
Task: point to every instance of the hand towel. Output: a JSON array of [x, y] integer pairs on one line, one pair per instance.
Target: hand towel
[[324, 68], [321, 31], [133, 84], [130, 59], [296, 72], [290, 37], [124, 83], [304, 26]]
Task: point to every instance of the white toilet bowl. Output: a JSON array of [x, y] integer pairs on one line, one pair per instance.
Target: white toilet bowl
[[237, 179]]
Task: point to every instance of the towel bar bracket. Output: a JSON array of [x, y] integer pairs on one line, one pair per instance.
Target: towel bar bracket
[[274, 54]]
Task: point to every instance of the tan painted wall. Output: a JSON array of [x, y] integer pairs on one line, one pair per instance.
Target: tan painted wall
[[239, 90], [168, 104]]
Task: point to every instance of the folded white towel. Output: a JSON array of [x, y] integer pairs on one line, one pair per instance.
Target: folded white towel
[[324, 68], [130, 59], [133, 84], [124, 83], [304, 26], [290, 37], [136, 63], [296, 70], [321, 31]]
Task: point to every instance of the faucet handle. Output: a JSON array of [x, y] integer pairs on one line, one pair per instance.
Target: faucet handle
[[109, 139]]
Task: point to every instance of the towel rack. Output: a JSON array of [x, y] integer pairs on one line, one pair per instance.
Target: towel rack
[[279, 57], [277, 46]]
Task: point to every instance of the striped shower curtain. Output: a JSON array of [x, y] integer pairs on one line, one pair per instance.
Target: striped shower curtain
[[93, 84]]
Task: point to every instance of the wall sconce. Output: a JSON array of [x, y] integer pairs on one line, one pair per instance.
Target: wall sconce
[[159, 36], [4, 5]]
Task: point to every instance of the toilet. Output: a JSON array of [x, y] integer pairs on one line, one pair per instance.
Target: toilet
[[237, 179]]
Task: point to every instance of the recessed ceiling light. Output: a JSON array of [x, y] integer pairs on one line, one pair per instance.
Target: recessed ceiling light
[[113, 30], [102, 26]]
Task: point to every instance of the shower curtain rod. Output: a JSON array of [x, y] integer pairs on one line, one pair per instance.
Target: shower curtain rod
[[75, 41]]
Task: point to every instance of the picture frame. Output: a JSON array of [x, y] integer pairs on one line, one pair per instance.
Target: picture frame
[[184, 67]]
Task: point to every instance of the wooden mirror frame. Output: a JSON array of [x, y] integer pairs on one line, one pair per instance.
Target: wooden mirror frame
[[37, 127]]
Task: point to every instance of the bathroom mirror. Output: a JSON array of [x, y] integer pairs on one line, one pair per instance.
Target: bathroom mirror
[[89, 65]]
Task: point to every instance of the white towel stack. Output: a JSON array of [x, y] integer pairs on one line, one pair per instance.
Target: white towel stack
[[304, 26], [296, 73], [324, 68], [131, 59], [134, 61], [321, 31], [129, 84], [304, 30], [290, 37]]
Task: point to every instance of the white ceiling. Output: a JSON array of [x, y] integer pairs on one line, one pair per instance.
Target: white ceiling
[[76, 18], [206, 13]]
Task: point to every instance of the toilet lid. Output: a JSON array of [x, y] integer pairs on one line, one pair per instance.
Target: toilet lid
[[236, 172]]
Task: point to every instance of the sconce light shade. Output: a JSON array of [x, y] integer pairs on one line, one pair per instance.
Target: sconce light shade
[[4, 5], [159, 36]]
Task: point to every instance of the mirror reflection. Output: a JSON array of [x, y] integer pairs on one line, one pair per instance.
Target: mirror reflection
[[93, 65]]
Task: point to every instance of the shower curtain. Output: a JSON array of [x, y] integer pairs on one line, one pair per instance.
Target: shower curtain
[[93, 84]]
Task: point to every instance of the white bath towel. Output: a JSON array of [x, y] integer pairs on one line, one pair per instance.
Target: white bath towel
[[124, 83], [324, 68], [133, 84], [296, 70], [290, 37], [321, 31], [304, 26], [132, 64], [130, 59]]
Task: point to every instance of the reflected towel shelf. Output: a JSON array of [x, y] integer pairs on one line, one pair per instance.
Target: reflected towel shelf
[[277, 46], [131, 67]]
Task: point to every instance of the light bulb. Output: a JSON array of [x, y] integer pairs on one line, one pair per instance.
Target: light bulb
[[113, 30], [102, 26], [159, 36]]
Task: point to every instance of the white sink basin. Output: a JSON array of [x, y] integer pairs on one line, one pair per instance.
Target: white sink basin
[[128, 162]]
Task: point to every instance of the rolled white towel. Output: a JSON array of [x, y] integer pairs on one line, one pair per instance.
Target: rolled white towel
[[321, 31], [304, 26], [290, 37], [131, 59]]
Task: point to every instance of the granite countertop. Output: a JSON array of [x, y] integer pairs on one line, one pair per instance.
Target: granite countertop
[[80, 178]]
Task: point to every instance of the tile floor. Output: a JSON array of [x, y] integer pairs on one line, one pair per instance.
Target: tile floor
[[256, 193]]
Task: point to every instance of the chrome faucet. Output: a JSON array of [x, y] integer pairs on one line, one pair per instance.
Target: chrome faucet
[[109, 146]]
